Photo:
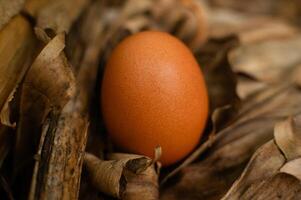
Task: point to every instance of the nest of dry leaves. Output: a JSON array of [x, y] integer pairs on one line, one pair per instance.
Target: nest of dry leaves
[[52, 140]]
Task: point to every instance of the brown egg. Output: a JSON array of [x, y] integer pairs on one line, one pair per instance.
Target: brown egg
[[154, 94]]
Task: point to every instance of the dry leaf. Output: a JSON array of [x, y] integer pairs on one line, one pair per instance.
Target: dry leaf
[[186, 19], [65, 141], [234, 145], [129, 177], [55, 15], [289, 10], [220, 79], [267, 61], [248, 28], [247, 86], [8, 9], [39, 93], [5, 115], [293, 168], [251, 89], [17, 45], [268, 162], [288, 138]]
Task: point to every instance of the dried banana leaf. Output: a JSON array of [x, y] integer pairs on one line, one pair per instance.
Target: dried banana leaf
[[8, 9], [125, 176], [234, 145], [267, 61], [63, 144], [55, 15], [17, 48], [17, 51], [39, 94], [271, 173]]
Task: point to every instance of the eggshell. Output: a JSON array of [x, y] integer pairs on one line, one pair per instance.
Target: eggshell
[[154, 94]]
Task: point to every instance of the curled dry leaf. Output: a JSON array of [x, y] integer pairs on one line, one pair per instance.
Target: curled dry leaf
[[8, 9], [251, 127], [186, 19], [279, 156], [56, 15], [65, 138], [39, 94], [195, 28], [128, 177], [288, 137], [264, 164]]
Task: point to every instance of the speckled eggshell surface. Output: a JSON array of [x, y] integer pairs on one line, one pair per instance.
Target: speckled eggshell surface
[[153, 94]]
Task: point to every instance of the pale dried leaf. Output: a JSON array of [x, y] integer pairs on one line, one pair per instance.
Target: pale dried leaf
[[32, 7], [39, 94], [40, 78], [279, 186], [267, 61], [247, 86], [105, 175], [293, 168], [185, 19], [56, 15], [124, 177], [289, 10], [248, 28], [278, 156], [266, 162], [251, 127], [288, 137], [65, 141]]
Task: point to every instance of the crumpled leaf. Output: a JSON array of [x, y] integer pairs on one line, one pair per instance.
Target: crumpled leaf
[[251, 127], [288, 137], [55, 15], [39, 93], [281, 155], [63, 147], [128, 177], [248, 28], [8, 9], [267, 61], [185, 19], [289, 10], [264, 164]]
